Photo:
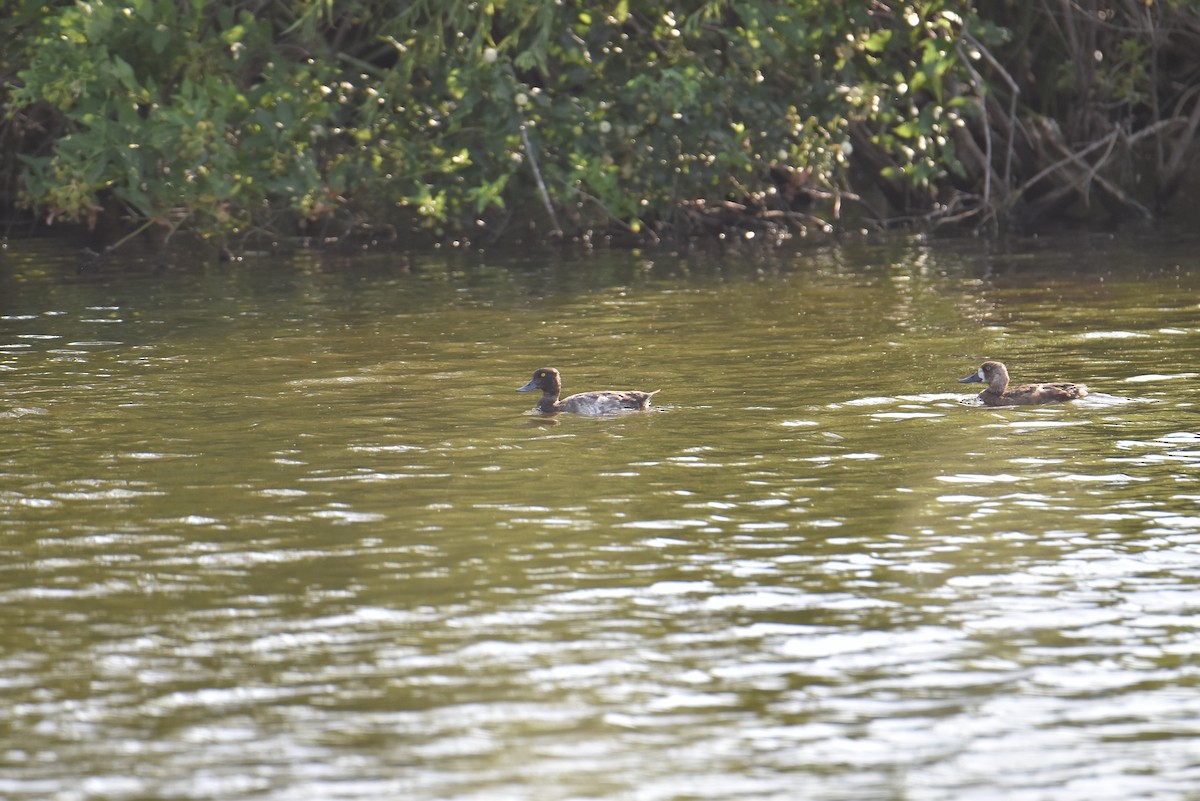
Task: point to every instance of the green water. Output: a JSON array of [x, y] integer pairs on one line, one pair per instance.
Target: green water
[[283, 529]]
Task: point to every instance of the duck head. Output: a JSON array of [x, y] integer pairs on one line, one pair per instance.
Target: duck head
[[994, 374], [546, 379]]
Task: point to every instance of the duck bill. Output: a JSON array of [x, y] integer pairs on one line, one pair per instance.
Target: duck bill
[[973, 378], [530, 387]]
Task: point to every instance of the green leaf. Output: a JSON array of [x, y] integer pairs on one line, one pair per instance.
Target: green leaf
[[234, 34], [123, 72], [878, 41], [160, 39]]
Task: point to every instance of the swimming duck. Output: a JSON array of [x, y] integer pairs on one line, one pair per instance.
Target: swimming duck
[[548, 380], [999, 393]]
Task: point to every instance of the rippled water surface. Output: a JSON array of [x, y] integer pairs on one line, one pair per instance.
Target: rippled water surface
[[282, 529]]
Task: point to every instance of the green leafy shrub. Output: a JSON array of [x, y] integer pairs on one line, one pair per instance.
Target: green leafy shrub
[[177, 113], [327, 116]]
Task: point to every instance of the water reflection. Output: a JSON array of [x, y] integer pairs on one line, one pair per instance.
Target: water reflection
[[285, 531]]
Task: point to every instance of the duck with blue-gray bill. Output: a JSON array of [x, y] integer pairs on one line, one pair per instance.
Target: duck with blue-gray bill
[[611, 401], [999, 393]]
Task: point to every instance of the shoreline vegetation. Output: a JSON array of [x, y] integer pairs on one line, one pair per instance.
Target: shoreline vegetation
[[330, 122]]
